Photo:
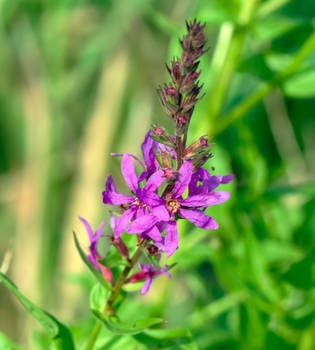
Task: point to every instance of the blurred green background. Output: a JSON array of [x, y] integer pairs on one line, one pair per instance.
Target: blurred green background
[[78, 81]]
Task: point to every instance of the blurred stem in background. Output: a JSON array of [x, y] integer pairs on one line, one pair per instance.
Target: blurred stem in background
[[234, 34], [251, 101]]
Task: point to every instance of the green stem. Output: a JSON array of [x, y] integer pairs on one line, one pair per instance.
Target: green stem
[[122, 278], [240, 110], [115, 292], [95, 333]]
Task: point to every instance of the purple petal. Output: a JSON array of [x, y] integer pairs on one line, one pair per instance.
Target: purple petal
[[147, 152], [110, 196], [144, 268], [199, 175], [113, 222], [88, 229], [92, 260], [183, 179], [129, 173], [143, 176], [161, 272], [198, 218], [142, 224], [155, 181], [171, 238], [131, 155], [147, 197], [98, 233], [206, 200], [123, 221], [227, 178], [154, 234], [146, 286], [161, 213], [115, 198]]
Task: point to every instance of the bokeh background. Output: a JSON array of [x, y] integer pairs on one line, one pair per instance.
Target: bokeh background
[[78, 81]]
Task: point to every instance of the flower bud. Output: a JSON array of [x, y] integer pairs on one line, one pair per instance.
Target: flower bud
[[196, 147], [121, 247], [170, 174]]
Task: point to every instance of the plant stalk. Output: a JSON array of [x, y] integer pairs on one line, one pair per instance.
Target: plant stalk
[[115, 292]]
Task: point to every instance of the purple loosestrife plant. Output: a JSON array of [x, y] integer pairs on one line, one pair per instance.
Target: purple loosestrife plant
[[170, 186]]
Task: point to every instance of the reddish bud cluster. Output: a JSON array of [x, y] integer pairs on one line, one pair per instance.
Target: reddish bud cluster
[[180, 97], [193, 43]]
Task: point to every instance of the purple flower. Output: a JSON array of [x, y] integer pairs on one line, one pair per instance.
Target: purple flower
[[148, 273], [150, 164], [203, 183], [142, 200], [93, 255], [186, 208]]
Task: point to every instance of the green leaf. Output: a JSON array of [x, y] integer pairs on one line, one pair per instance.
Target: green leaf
[[60, 333], [118, 327], [96, 273], [301, 85], [167, 338], [302, 274], [98, 297], [113, 260], [271, 27], [6, 344]]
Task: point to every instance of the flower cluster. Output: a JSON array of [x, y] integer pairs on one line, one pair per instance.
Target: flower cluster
[[171, 184]]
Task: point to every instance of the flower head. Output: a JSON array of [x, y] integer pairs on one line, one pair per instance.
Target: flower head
[[142, 200], [187, 208]]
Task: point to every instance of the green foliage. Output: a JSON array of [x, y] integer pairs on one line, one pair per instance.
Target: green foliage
[[95, 272], [60, 334], [6, 344], [113, 324], [78, 82]]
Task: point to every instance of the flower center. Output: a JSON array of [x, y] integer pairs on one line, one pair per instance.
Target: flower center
[[138, 203], [172, 206]]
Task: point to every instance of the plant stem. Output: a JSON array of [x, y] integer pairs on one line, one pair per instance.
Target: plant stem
[[115, 292], [122, 278], [95, 333], [240, 110]]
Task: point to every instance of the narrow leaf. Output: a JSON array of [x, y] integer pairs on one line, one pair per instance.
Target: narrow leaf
[[115, 326], [60, 333], [167, 338], [96, 273]]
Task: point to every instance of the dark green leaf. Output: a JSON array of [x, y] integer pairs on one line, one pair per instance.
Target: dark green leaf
[[167, 338], [301, 274], [115, 326], [60, 333]]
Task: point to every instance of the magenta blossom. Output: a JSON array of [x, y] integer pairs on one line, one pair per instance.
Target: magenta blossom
[[93, 255], [185, 208], [143, 200], [148, 273], [150, 163], [202, 182]]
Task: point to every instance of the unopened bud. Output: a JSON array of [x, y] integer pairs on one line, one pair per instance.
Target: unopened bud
[[170, 174], [196, 147], [121, 247]]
